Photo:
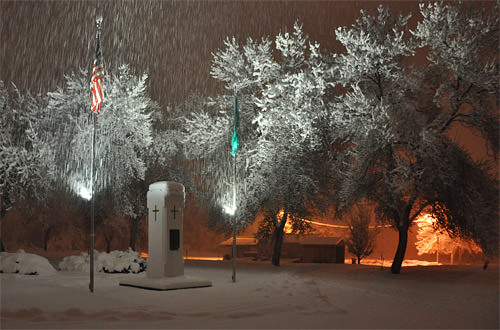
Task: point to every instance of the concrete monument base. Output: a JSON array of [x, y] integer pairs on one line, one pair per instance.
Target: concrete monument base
[[167, 283]]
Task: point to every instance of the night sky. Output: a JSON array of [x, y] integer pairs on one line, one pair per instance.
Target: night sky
[[172, 41]]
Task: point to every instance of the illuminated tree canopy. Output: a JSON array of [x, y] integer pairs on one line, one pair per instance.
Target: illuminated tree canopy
[[123, 131], [398, 117], [432, 239], [281, 102], [26, 153]]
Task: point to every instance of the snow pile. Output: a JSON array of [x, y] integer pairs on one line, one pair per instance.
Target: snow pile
[[76, 263], [120, 262], [114, 262], [25, 263]]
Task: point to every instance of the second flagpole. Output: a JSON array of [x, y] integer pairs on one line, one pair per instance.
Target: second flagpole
[[234, 150], [234, 221]]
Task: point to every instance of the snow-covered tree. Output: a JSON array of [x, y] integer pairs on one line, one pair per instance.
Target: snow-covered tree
[[123, 129], [26, 154], [432, 239], [398, 117], [463, 68], [269, 233], [280, 93], [44, 215], [464, 56], [112, 229], [361, 239], [123, 132]]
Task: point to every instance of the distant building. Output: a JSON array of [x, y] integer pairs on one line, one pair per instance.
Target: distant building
[[245, 247], [301, 248], [323, 249]]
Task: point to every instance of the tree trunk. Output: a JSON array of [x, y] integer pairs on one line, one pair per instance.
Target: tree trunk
[[359, 260], [108, 244], [2, 213], [278, 243], [134, 225], [46, 238], [400, 252], [437, 249]]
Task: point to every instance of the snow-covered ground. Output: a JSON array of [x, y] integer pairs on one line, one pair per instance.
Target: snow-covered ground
[[291, 296]]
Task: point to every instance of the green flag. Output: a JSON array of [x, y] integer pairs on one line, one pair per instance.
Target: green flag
[[235, 141]]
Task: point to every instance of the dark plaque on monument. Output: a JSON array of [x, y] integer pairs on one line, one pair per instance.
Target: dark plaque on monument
[[174, 239]]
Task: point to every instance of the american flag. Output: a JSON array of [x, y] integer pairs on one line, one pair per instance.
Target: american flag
[[96, 81]]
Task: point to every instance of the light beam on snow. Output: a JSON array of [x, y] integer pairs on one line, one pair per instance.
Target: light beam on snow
[[84, 193], [230, 210]]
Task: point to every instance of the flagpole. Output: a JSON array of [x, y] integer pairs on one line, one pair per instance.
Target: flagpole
[[234, 221], [92, 204], [92, 161]]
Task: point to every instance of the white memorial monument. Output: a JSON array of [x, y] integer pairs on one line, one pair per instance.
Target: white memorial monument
[[165, 271], [165, 214]]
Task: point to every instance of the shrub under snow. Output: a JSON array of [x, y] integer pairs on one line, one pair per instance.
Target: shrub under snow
[[113, 262], [25, 263]]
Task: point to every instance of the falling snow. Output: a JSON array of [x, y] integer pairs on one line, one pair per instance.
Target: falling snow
[[326, 105]]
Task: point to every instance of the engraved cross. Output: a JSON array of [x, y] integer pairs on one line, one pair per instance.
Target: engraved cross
[[174, 211], [156, 211]]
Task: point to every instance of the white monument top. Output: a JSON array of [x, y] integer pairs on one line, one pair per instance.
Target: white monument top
[[169, 187]]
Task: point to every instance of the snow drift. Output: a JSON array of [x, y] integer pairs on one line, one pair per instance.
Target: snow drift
[[114, 262], [25, 263]]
